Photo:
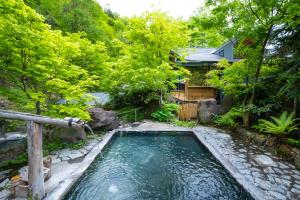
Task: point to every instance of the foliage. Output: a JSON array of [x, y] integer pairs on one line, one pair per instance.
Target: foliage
[[127, 114], [143, 68], [278, 126], [48, 146], [230, 77], [203, 32], [58, 144], [230, 118], [293, 142], [167, 113], [19, 160], [40, 63], [189, 124], [76, 16], [253, 24]]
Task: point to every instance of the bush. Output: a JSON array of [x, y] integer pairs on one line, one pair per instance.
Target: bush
[[189, 124], [277, 126], [293, 142], [229, 118], [19, 160], [167, 113], [127, 114]]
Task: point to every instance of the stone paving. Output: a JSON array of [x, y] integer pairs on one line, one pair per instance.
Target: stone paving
[[271, 176], [275, 178], [61, 162], [71, 154]]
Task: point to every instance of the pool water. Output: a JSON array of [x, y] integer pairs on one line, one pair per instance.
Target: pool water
[[160, 166]]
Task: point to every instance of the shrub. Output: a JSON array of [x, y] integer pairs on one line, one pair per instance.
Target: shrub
[[293, 142], [277, 126], [127, 114], [229, 118], [189, 124], [167, 113]]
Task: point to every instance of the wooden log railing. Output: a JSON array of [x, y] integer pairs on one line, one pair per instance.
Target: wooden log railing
[[35, 145]]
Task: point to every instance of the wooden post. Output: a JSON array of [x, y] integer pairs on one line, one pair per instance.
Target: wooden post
[[186, 90], [35, 160]]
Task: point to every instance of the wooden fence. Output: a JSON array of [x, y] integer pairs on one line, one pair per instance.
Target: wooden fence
[[188, 111]]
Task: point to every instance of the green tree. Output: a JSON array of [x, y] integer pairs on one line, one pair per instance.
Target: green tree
[[143, 69], [76, 16], [253, 22], [37, 64], [204, 30]]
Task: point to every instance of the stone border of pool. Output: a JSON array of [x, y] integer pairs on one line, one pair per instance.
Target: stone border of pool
[[65, 186], [255, 192]]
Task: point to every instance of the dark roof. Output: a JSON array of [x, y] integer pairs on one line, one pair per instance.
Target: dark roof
[[196, 56], [201, 55]]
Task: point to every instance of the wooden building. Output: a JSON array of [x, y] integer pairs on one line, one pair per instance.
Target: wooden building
[[199, 61]]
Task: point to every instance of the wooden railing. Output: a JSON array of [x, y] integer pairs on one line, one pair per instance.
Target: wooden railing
[[35, 145]]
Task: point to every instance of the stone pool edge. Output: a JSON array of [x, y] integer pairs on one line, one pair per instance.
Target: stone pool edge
[[255, 192], [66, 185]]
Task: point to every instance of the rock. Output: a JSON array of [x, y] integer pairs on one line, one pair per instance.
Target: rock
[[265, 161], [226, 104], [24, 173], [102, 119], [207, 108], [11, 136], [245, 132], [5, 172], [72, 134], [135, 124], [4, 183], [4, 194], [10, 149], [47, 161], [277, 195], [297, 161]]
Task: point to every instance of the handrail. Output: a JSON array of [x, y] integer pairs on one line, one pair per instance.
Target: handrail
[[129, 111], [7, 114]]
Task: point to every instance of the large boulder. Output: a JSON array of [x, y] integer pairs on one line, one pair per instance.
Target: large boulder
[[72, 134], [207, 108], [102, 119]]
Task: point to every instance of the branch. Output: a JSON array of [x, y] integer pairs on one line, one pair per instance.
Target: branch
[[253, 12]]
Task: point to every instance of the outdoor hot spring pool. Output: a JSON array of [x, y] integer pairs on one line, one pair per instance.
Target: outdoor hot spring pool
[[162, 166]]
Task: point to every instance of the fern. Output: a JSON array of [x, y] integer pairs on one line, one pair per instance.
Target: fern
[[278, 126]]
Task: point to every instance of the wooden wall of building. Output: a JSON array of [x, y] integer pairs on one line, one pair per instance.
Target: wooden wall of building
[[200, 92]]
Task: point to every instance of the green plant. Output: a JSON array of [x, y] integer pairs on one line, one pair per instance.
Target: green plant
[[229, 118], [166, 113], [293, 142], [278, 126], [130, 114], [19, 160], [189, 124], [57, 144]]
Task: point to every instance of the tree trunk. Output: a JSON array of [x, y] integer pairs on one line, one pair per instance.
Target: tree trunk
[[246, 117], [38, 107], [35, 161]]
